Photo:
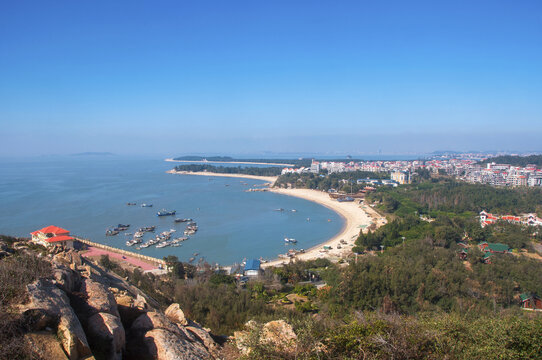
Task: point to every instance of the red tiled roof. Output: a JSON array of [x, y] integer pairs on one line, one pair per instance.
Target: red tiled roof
[[59, 238], [51, 229]]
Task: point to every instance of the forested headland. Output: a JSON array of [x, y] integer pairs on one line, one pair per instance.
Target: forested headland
[[258, 171], [515, 160]]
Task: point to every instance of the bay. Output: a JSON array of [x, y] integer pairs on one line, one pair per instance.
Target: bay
[[87, 195]]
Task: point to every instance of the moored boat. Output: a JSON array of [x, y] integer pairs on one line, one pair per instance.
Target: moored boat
[[165, 212]]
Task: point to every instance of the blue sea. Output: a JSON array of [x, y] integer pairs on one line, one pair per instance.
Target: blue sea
[[88, 195]]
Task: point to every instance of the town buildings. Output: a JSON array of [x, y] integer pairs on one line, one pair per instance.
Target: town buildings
[[467, 169]]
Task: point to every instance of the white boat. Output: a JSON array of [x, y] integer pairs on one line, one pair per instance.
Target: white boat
[[290, 240]]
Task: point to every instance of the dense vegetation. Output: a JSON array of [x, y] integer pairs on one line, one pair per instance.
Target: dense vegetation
[[259, 171], [343, 181], [515, 160], [453, 196]]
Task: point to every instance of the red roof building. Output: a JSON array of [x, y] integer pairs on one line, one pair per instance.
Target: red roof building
[[52, 235]]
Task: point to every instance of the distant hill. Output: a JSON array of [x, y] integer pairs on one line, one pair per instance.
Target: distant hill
[[515, 160]]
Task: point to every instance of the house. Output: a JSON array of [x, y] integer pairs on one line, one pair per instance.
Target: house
[[494, 248], [52, 236], [252, 268], [486, 259], [530, 301]]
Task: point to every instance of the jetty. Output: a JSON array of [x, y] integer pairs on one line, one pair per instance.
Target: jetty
[[155, 262]]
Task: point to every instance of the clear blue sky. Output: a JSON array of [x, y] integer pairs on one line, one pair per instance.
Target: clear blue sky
[[175, 77]]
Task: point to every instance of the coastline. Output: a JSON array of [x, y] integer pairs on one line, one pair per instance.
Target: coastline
[[356, 218], [270, 179], [227, 162]]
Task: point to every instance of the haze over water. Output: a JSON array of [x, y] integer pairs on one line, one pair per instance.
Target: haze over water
[[86, 195]]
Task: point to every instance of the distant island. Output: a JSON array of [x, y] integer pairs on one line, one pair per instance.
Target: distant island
[[257, 171]]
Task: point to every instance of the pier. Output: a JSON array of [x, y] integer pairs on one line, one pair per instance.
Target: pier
[[159, 263]]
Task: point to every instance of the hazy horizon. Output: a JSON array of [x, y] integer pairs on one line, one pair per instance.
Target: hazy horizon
[[283, 77]]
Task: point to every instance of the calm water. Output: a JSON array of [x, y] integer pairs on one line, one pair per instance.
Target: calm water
[[87, 195]]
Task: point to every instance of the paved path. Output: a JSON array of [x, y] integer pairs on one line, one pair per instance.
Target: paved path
[[92, 251]]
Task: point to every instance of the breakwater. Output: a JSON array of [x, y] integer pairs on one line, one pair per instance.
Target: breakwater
[[145, 258]]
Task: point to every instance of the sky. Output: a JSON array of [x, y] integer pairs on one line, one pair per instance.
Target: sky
[[239, 77]]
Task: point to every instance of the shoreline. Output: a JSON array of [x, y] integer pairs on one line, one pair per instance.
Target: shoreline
[[270, 179], [227, 162], [356, 218]]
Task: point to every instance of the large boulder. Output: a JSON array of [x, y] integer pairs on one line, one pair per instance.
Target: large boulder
[[106, 335], [154, 320], [175, 314], [50, 302], [164, 345], [66, 278], [204, 337], [98, 298], [279, 334]]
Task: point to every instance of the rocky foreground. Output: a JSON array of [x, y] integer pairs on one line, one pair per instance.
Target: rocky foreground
[[85, 312]]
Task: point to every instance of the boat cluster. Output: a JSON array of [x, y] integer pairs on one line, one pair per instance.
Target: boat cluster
[[191, 228], [160, 240], [116, 229]]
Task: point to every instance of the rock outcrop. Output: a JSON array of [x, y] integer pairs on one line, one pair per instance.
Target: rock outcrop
[[165, 345], [277, 334], [52, 303], [175, 314], [89, 313], [106, 335]]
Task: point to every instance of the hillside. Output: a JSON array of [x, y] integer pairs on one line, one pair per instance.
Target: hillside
[[515, 160], [59, 306]]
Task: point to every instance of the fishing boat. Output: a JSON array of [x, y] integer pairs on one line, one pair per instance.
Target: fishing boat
[[146, 205], [111, 232], [182, 220], [279, 209], [290, 240], [294, 210], [147, 229], [165, 212], [131, 204]]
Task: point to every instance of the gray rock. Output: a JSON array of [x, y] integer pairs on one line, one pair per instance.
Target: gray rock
[[99, 298], [175, 314], [66, 278], [50, 300], [164, 345], [106, 335]]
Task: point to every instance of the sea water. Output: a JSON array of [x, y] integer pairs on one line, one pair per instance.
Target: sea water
[[88, 195]]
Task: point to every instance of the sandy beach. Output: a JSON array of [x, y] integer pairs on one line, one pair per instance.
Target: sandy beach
[[357, 217], [270, 179]]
